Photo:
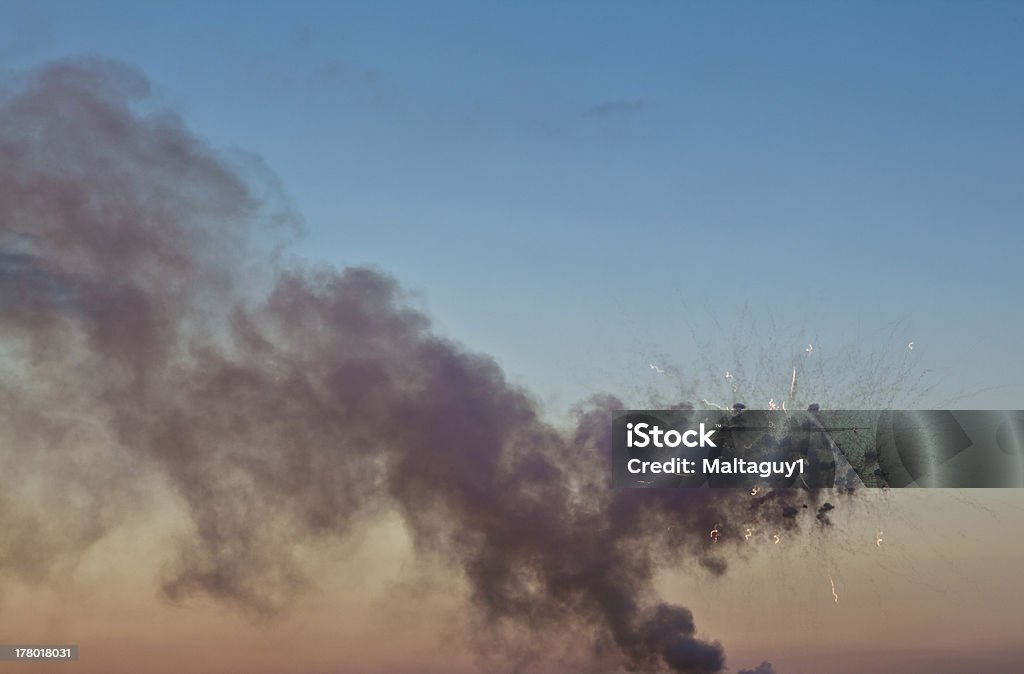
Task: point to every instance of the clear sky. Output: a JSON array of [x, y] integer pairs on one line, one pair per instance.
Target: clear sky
[[577, 190], [623, 197]]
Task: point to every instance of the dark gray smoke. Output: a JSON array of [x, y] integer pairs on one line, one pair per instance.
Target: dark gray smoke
[[142, 333], [763, 668]]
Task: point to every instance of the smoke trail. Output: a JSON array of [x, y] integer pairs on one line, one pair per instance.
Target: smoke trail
[[132, 341]]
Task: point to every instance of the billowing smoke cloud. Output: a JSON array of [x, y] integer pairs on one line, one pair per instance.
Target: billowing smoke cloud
[[143, 333]]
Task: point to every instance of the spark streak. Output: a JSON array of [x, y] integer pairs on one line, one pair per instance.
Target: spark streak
[[835, 596]]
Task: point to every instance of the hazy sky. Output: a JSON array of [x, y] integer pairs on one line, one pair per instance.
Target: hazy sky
[[581, 190], [941, 595], [575, 190]]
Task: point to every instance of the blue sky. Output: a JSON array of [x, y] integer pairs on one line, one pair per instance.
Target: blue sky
[[580, 188]]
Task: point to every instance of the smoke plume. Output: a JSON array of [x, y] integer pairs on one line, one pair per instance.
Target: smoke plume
[[143, 331]]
